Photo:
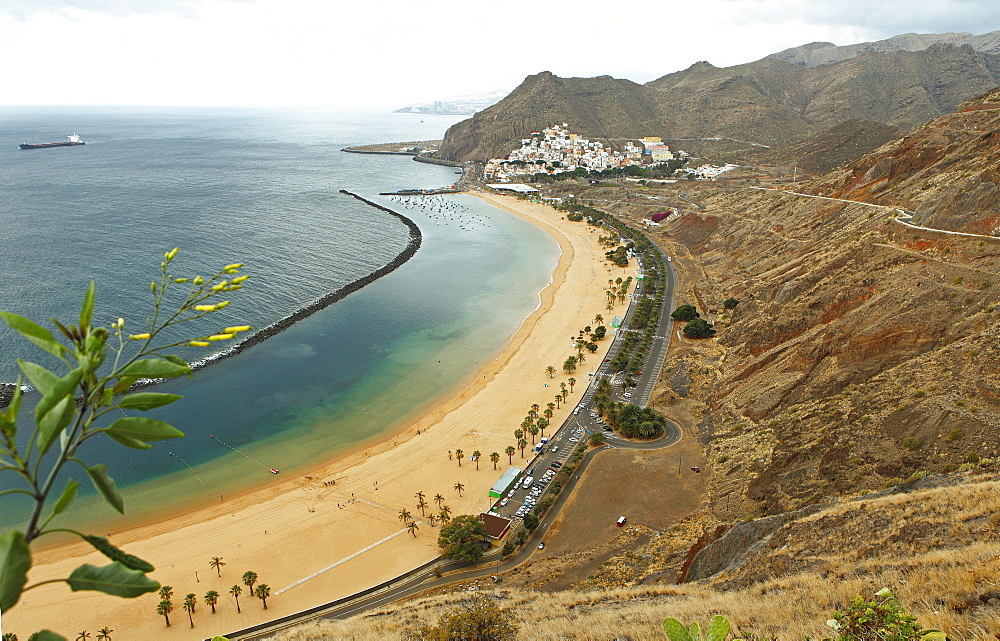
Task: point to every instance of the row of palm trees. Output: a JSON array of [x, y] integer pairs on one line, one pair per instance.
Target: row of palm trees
[[104, 634], [262, 591]]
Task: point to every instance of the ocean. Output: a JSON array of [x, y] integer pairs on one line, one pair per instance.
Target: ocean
[[258, 187]]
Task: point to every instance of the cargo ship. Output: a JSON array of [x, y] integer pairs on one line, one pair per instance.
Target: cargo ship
[[73, 141]]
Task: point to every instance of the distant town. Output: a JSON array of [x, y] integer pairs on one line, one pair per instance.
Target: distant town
[[555, 150]]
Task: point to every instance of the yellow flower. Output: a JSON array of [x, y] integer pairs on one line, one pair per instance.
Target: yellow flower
[[181, 280], [238, 328], [170, 254], [198, 344], [198, 280], [121, 323], [233, 266], [204, 308], [220, 337], [139, 337], [222, 304], [221, 285], [239, 279]]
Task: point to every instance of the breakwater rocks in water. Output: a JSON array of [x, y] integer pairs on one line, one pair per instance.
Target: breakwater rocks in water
[[7, 389]]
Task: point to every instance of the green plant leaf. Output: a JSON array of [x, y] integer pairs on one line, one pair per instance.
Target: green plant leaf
[[87, 309], [15, 402], [114, 553], [15, 561], [105, 485], [41, 378], [675, 630], [154, 368], [718, 629], [67, 497], [133, 430], [114, 579], [54, 422], [8, 427], [695, 631], [60, 388], [147, 400], [34, 333]]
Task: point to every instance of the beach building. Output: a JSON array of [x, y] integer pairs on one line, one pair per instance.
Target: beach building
[[496, 526], [514, 187], [506, 481], [616, 322]]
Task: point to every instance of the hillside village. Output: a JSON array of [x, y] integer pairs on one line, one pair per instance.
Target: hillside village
[[555, 150]]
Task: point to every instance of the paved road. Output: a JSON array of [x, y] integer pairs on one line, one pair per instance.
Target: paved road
[[562, 443]]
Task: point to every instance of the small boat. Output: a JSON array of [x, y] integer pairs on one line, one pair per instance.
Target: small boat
[[274, 471]]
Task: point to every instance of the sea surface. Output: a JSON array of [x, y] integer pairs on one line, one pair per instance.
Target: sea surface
[[259, 188]]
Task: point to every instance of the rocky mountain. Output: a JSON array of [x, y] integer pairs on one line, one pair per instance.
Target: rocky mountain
[[824, 53], [602, 107], [770, 101]]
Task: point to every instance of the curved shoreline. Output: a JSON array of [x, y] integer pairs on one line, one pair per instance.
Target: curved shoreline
[[261, 335]]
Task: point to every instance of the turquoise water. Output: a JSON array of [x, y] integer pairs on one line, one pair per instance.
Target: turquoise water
[[358, 369]]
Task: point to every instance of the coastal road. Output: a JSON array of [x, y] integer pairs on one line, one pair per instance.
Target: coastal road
[[563, 442]]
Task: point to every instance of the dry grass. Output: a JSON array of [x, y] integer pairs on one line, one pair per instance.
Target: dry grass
[[814, 568]]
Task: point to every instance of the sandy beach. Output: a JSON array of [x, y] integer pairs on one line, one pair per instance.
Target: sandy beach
[[313, 540]]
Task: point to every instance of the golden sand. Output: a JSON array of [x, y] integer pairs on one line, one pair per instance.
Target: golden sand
[[313, 542]]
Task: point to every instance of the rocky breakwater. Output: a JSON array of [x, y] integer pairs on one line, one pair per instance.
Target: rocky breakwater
[[6, 390]]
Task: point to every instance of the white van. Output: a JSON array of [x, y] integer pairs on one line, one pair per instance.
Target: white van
[[528, 481]]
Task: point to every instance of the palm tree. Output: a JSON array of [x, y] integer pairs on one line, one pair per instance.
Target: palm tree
[[459, 487], [534, 410], [558, 400], [580, 358], [549, 410], [236, 590], [572, 382], [533, 430], [412, 528], [494, 458], [445, 513], [570, 365], [476, 454], [164, 608], [432, 520], [216, 563], [438, 499], [405, 516], [166, 592], [262, 592], [551, 371], [521, 444], [610, 307], [422, 505], [459, 454], [509, 451], [104, 634], [519, 433], [598, 319], [189, 603], [83, 636], [211, 598], [542, 424], [249, 578], [562, 386]]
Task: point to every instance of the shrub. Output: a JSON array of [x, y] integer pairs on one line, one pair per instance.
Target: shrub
[[685, 313], [972, 457], [730, 303], [881, 618], [911, 443], [477, 618], [698, 328]]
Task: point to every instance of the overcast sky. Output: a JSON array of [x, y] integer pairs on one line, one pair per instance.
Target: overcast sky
[[387, 53]]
